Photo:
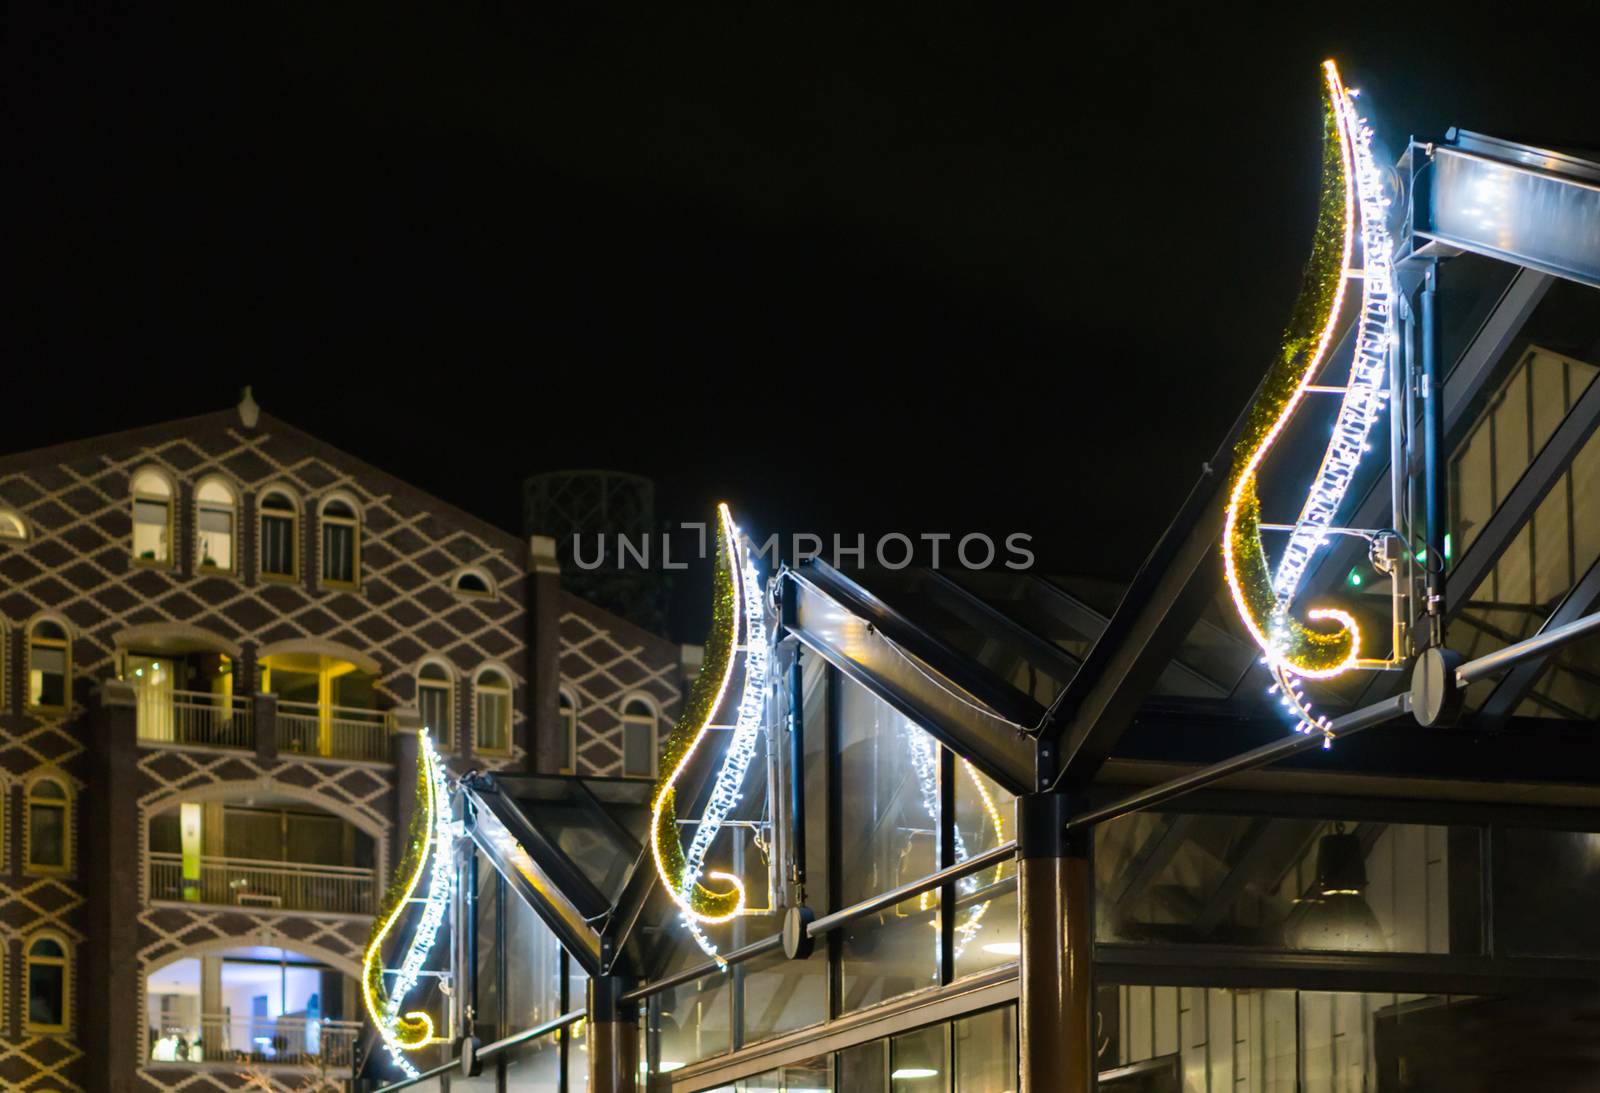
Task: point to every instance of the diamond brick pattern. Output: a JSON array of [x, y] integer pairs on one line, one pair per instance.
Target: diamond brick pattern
[[602, 670]]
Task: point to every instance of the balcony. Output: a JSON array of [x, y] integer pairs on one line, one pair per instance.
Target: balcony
[[333, 732], [275, 885], [194, 718], [326, 1046]]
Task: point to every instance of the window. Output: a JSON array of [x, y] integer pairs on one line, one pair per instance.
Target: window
[[48, 835], [436, 701], [49, 665], [569, 734], [473, 582], [280, 536], [215, 509], [12, 527], [47, 979], [492, 731], [341, 542], [152, 518], [638, 739]]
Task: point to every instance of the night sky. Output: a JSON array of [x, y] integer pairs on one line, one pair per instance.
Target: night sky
[[879, 269]]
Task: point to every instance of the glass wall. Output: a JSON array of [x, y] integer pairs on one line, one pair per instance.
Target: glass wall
[[1284, 883]]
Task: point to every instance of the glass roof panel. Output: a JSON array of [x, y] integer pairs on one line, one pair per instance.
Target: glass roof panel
[[598, 824]]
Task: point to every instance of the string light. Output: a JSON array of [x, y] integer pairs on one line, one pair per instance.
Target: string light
[[1291, 650], [414, 1030], [735, 587]]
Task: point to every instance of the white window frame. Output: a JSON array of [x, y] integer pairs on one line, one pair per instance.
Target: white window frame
[[65, 961], [448, 684], [569, 726], [66, 803], [11, 519], [354, 523], [66, 667], [511, 720], [490, 589]]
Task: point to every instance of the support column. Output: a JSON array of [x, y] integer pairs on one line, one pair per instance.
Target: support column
[[613, 1037], [1055, 1007], [547, 746]]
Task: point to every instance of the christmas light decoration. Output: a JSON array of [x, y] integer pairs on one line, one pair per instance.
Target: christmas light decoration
[[432, 837], [1292, 650], [736, 593]]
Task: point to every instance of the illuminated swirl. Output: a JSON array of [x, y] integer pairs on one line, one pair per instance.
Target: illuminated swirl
[[1291, 647], [681, 878], [431, 836]]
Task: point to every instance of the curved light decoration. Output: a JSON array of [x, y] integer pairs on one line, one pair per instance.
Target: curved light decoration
[[1292, 650], [414, 1030], [736, 594]]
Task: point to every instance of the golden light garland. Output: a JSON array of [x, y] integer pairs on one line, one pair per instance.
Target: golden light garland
[[697, 902], [1288, 644]]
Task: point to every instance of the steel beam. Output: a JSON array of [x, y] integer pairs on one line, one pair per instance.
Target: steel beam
[[1508, 694], [1513, 513]]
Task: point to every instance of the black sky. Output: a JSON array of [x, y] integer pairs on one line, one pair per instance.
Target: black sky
[[882, 267]]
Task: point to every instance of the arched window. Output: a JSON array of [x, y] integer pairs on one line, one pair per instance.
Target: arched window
[[47, 834], [12, 527], [341, 543], [569, 733], [280, 535], [474, 582], [47, 983], [152, 518], [215, 518], [49, 666], [491, 729], [638, 738], [436, 701]]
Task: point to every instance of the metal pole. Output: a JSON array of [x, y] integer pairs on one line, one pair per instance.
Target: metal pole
[[1399, 471], [1433, 455], [1538, 645], [1364, 718], [613, 1037], [1055, 1006]]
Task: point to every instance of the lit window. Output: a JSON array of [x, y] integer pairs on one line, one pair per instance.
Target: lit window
[[492, 728], [215, 505], [638, 739], [280, 538], [49, 665], [569, 735], [472, 582], [47, 979], [341, 542], [12, 527], [436, 702], [48, 835], [152, 518]]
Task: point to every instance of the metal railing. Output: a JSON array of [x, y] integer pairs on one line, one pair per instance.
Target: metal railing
[[194, 717], [247, 882], [300, 1042], [333, 732]]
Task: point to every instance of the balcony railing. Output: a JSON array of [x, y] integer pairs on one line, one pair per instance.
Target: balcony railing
[[194, 717], [334, 732], [258, 1041], [246, 882]]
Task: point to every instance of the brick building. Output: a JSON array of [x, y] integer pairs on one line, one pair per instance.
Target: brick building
[[218, 638]]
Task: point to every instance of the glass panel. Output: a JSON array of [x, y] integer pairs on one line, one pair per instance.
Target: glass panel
[[215, 538], [781, 995], [889, 809], [1547, 894], [865, 1068], [47, 835], [533, 968], [638, 750], [695, 1020], [46, 994], [919, 1062], [277, 545], [47, 680], [338, 553], [150, 531], [433, 704], [986, 1052], [535, 1067], [487, 985], [494, 716], [986, 903], [1289, 883]]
